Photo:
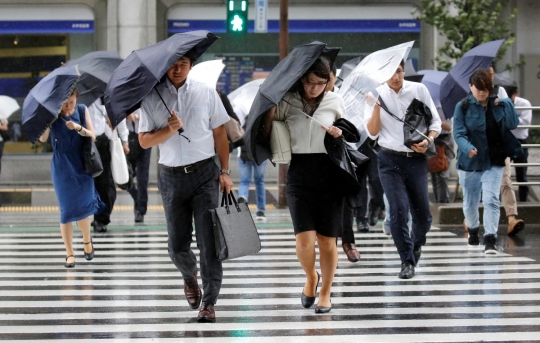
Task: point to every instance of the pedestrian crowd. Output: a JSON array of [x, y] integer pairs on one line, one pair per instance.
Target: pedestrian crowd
[[194, 169]]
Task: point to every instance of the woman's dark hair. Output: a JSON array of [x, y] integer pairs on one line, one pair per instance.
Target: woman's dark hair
[[333, 69], [75, 92], [321, 68], [481, 79]]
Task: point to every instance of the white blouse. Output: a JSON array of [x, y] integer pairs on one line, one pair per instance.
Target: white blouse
[[307, 136]]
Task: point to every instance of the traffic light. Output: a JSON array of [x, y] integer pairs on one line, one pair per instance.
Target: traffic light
[[237, 16]]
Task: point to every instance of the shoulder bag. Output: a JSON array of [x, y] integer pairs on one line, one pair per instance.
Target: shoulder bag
[[119, 165], [280, 140], [415, 124], [92, 161], [235, 233]]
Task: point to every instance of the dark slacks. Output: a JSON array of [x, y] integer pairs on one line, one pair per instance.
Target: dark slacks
[[139, 159], [104, 183], [187, 197], [375, 188], [347, 232], [405, 184], [521, 173]]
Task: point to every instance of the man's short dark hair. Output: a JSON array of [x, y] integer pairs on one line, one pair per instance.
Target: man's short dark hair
[[402, 63], [510, 89]]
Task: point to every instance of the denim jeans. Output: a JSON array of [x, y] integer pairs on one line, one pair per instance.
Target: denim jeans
[[485, 184], [405, 184], [246, 169]]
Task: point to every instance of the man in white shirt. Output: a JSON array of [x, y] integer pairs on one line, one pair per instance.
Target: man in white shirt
[[189, 179], [525, 118], [403, 171], [104, 183]]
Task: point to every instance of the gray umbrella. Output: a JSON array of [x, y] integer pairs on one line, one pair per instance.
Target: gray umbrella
[[96, 69], [141, 71], [283, 78]]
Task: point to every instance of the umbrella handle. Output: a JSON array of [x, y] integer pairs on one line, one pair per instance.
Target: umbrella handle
[[180, 130]]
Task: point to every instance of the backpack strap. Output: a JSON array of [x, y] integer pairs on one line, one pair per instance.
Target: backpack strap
[[82, 114]]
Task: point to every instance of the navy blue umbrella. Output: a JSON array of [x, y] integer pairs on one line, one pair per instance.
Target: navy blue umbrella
[[44, 102], [282, 79], [432, 80], [141, 71], [96, 69], [455, 85]]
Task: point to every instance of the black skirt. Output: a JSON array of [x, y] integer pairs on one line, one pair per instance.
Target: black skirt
[[311, 195]]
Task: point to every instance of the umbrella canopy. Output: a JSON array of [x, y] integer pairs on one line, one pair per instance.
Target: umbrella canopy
[[432, 80], [138, 74], [207, 72], [504, 78], [283, 78], [410, 72], [371, 72], [8, 106], [455, 85], [96, 69], [346, 69], [242, 98], [44, 102]]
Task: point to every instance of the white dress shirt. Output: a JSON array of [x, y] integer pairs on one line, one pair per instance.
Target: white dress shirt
[[525, 117], [391, 134], [98, 113], [200, 109]]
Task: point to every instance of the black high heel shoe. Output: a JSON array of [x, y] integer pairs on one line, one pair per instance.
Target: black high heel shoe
[[307, 302], [70, 265], [90, 255], [321, 309]]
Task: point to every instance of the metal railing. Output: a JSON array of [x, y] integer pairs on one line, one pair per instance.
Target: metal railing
[[529, 146]]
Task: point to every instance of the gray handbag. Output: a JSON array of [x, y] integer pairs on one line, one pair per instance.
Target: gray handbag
[[234, 229]]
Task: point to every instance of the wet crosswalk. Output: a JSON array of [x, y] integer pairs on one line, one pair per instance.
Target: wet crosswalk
[[132, 292]]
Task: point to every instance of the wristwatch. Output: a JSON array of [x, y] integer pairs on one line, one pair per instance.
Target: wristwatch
[[225, 171]]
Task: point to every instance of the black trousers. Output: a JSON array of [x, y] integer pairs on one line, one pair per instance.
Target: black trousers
[[187, 197], [139, 159], [375, 188], [104, 183]]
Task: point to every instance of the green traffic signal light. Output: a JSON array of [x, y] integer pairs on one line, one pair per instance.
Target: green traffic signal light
[[237, 16]]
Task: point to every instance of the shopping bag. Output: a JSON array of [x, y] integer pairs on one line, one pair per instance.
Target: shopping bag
[[119, 165], [234, 229]]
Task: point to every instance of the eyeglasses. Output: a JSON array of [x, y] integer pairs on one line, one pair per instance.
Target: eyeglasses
[[399, 71], [316, 84]]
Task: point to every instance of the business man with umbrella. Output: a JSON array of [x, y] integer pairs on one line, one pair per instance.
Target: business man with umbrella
[[156, 79]]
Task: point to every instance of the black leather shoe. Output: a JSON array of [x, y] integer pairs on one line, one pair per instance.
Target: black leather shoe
[[373, 216], [307, 302], [90, 255], [98, 227], [139, 217], [70, 265], [362, 226], [322, 309], [417, 253], [407, 270]]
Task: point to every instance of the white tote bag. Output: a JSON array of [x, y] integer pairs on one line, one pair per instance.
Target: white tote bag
[[119, 165]]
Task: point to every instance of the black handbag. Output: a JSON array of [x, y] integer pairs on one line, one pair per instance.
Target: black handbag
[[91, 158], [235, 233], [415, 124]]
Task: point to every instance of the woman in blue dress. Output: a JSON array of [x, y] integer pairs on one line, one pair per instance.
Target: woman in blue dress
[[74, 188]]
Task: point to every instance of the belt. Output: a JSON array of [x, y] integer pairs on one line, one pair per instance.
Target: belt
[[190, 168], [402, 153]]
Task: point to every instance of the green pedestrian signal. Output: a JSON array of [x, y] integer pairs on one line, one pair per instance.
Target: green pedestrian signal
[[237, 16]]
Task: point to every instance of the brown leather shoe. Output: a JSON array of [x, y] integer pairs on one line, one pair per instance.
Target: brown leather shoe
[[515, 226], [207, 314], [350, 250], [193, 292]]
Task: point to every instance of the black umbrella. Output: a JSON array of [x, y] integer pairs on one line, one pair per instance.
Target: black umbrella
[[96, 69], [347, 68], [455, 86], [283, 78], [44, 102], [141, 71]]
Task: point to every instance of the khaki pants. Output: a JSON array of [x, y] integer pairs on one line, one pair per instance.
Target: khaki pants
[[508, 197]]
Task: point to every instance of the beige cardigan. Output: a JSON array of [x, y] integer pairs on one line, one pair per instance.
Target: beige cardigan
[[307, 136]]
